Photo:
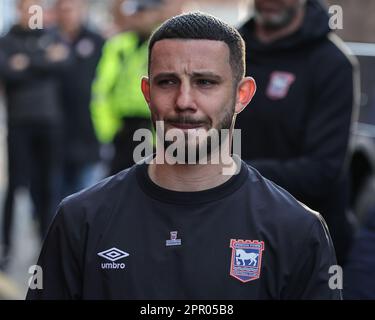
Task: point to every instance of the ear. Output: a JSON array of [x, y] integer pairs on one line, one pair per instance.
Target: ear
[[245, 92], [145, 87]]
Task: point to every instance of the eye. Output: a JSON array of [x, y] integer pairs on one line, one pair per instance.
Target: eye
[[205, 83], [166, 83]]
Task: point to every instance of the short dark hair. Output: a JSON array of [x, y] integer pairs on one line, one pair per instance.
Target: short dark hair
[[201, 26]]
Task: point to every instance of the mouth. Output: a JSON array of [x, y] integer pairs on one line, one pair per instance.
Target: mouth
[[187, 126], [270, 7]]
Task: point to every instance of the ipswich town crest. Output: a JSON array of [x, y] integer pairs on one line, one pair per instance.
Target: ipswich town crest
[[246, 259], [279, 84]]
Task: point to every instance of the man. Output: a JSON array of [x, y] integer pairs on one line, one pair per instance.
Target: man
[[81, 154], [297, 131], [188, 231], [118, 108], [30, 60]]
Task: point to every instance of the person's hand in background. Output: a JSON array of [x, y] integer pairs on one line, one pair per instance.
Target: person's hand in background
[[19, 61], [57, 53]]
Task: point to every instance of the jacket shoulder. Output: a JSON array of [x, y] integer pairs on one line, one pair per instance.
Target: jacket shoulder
[[279, 205], [123, 40], [334, 52], [93, 34], [96, 199]]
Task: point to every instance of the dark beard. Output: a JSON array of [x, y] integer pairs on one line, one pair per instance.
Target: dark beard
[[287, 17], [202, 148]]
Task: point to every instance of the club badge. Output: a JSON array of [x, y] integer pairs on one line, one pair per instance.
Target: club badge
[[279, 84], [246, 259]]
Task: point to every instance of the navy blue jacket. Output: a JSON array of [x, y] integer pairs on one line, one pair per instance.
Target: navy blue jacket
[[81, 144], [128, 238], [32, 94]]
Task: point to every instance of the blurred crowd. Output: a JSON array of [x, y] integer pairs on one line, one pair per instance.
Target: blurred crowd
[[73, 103], [55, 122]]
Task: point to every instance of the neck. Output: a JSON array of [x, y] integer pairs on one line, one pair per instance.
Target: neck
[[192, 177], [267, 35], [24, 24], [71, 33]]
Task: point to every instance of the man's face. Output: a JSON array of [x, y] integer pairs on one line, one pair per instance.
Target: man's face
[[275, 14], [143, 22], [23, 10], [70, 13], [191, 85]]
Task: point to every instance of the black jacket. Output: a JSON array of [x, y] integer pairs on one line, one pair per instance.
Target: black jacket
[[76, 80], [32, 94], [128, 238], [296, 129]]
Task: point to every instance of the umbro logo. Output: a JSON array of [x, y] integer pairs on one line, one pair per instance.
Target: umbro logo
[[113, 255]]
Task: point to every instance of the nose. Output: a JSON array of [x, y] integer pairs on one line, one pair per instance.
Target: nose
[[185, 98]]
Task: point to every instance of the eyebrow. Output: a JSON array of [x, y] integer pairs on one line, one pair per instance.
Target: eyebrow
[[204, 74], [197, 74]]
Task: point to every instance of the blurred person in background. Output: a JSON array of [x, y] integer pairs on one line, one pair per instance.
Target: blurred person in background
[[359, 270], [296, 132], [30, 59], [118, 108], [81, 147]]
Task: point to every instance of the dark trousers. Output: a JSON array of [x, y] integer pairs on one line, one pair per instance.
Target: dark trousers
[[124, 144], [34, 161]]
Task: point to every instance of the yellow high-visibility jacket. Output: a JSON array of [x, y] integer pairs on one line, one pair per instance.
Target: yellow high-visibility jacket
[[117, 88]]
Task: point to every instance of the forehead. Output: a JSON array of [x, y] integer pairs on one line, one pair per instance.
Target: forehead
[[67, 4], [28, 3], [178, 55], [276, 2]]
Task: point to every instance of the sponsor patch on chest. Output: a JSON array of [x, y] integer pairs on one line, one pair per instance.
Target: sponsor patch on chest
[[246, 259]]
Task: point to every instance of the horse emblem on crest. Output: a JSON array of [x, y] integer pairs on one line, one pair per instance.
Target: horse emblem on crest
[[246, 259]]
